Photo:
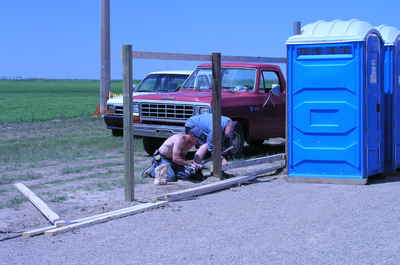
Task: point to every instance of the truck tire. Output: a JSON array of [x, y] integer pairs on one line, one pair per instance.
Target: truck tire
[[237, 142], [151, 144], [116, 132]]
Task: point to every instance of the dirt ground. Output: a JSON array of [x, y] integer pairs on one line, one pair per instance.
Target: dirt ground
[[87, 180]]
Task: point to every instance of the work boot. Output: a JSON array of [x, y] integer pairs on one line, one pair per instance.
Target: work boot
[[160, 177]]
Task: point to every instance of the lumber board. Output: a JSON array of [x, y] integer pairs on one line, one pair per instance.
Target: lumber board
[[212, 187], [39, 231], [84, 219], [252, 162], [40, 205], [204, 57], [106, 217]]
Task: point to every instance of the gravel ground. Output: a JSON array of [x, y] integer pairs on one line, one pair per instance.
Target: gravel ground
[[268, 222]]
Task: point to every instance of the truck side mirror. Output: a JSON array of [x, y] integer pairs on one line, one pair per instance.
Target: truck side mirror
[[276, 90]]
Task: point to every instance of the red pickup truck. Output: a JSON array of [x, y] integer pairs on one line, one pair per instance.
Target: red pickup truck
[[252, 94]]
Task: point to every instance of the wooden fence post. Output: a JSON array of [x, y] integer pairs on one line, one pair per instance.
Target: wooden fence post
[[216, 114], [105, 68], [128, 126]]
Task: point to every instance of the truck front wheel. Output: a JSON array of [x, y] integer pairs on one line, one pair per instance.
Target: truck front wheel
[[237, 142], [116, 132], [151, 144]]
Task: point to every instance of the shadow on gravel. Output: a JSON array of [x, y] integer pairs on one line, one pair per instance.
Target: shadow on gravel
[[381, 179], [263, 150]]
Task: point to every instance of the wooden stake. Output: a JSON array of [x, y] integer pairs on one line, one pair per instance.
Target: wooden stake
[[128, 134], [216, 114]]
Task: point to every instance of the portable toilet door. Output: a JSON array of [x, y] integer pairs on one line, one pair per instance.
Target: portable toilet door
[[374, 93], [391, 38], [396, 105], [335, 129]]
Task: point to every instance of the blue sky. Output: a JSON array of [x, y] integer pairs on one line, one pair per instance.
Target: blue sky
[[60, 39]]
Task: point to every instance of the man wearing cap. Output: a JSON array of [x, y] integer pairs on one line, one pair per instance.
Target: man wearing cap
[[202, 127], [169, 161]]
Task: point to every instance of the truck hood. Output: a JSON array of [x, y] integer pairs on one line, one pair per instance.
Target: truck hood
[[120, 99], [188, 96]]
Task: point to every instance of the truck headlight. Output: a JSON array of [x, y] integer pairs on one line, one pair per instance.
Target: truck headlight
[[135, 109], [110, 109], [204, 110]]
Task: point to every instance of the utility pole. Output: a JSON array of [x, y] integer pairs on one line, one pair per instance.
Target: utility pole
[[296, 28], [105, 68]]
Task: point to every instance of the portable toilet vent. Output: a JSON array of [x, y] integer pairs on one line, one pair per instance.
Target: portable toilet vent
[[335, 95], [391, 38]]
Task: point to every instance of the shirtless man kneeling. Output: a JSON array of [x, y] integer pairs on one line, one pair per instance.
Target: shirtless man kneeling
[[169, 162]]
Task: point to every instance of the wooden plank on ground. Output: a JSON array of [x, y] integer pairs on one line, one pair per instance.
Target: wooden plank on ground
[[212, 187], [104, 218], [39, 204], [205, 57], [252, 162], [39, 231]]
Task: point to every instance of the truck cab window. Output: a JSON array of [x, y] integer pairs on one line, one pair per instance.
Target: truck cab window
[[267, 80]]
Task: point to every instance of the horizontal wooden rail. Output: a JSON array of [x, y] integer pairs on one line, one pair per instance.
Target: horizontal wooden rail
[[205, 57]]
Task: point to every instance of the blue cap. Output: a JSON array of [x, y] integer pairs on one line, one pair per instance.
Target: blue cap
[[198, 133]]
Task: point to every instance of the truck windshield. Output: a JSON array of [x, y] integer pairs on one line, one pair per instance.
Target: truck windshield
[[233, 79], [161, 83]]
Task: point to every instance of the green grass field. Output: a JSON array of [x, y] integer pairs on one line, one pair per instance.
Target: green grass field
[[31, 100]]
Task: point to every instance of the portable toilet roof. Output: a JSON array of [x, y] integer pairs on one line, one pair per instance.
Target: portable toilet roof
[[389, 34], [334, 31]]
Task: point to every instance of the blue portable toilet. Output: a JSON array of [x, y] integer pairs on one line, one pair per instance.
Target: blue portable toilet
[[335, 94], [391, 38]]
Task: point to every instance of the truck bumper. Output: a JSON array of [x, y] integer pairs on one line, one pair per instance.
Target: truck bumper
[[114, 121], [156, 130]]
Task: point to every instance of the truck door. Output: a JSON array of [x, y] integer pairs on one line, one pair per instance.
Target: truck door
[[273, 104]]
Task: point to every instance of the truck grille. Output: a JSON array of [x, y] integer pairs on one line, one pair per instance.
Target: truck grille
[[119, 110], [163, 111]]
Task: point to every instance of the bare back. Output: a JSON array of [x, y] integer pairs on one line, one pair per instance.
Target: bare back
[[176, 145]]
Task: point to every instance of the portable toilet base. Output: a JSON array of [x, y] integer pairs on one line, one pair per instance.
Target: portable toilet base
[[335, 96], [348, 181]]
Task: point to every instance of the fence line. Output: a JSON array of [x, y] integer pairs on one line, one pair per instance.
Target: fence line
[[205, 57]]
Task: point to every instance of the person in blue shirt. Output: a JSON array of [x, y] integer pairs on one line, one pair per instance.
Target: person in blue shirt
[[204, 125]]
